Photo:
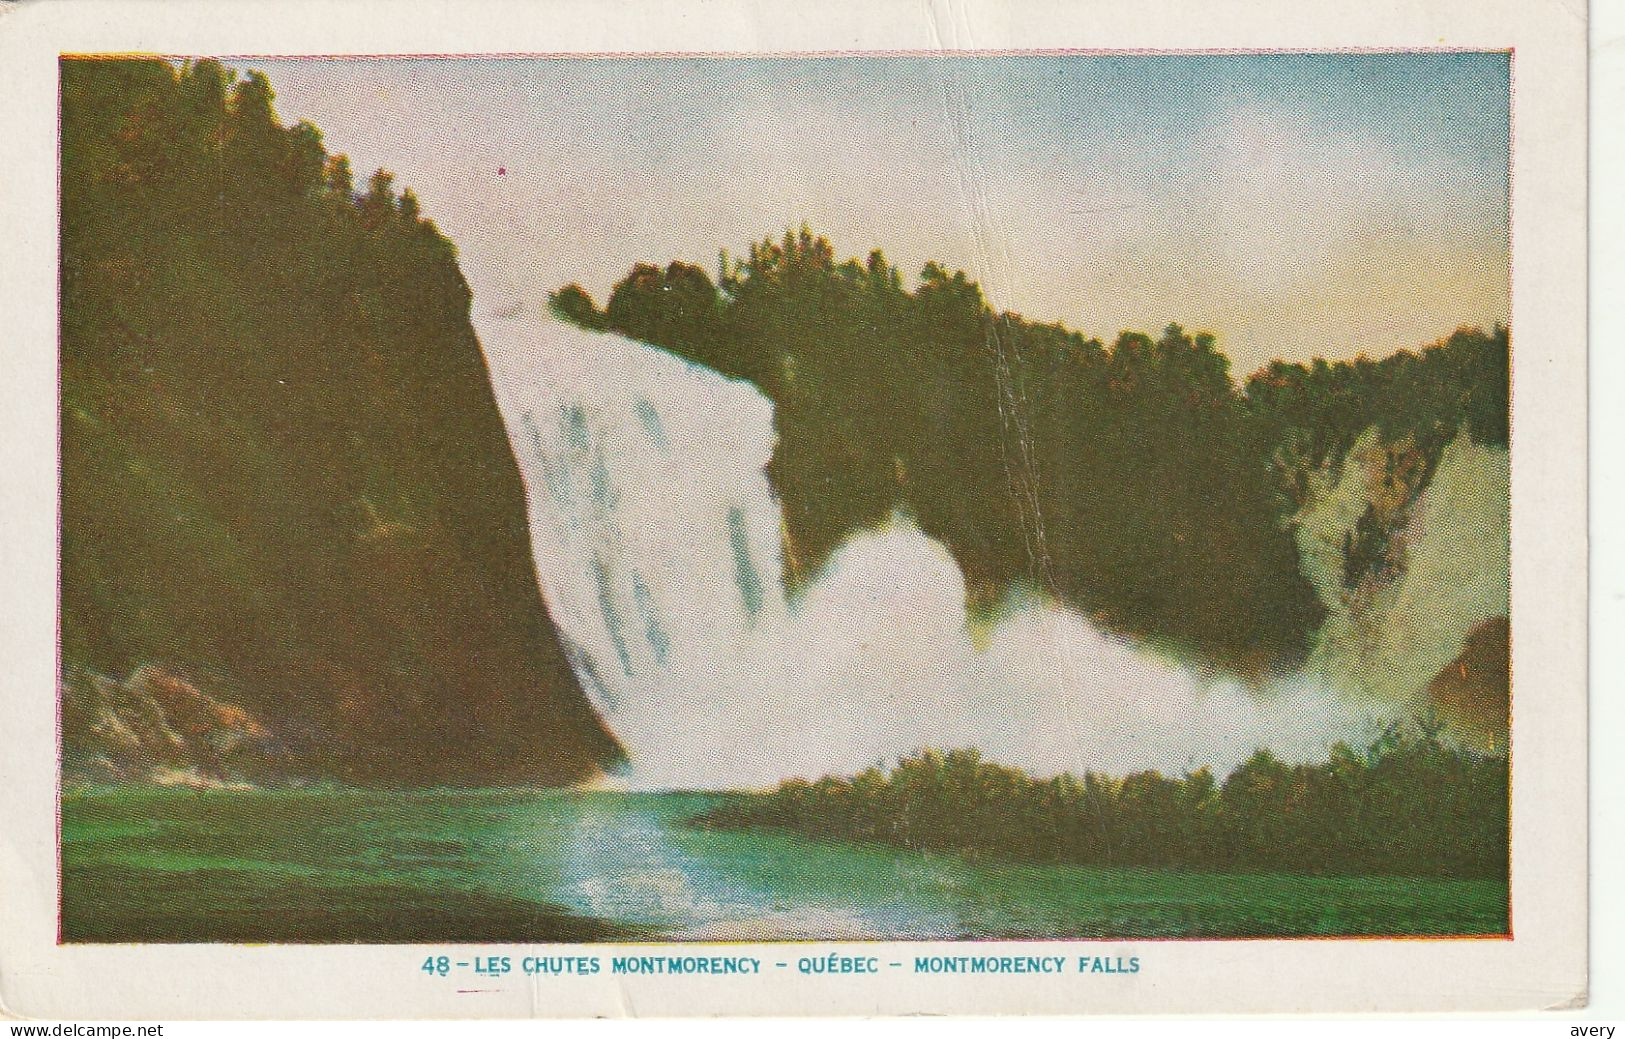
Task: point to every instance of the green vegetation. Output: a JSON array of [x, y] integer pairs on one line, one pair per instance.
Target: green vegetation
[[1313, 413], [1136, 481], [283, 472], [1409, 806]]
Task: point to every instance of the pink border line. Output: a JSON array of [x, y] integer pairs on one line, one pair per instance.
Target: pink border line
[[813, 54], [57, 677], [1512, 68]]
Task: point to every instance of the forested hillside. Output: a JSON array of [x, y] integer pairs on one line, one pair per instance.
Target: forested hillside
[[1134, 480], [284, 476]]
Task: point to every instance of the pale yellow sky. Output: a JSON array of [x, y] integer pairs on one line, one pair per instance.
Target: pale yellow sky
[[1294, 205]]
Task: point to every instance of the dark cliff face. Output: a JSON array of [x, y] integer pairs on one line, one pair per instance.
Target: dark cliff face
[[284, 476]]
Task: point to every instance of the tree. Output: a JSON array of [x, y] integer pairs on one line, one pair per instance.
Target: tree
[[340, 182], [409, 208], [573, 303], [378, 204]]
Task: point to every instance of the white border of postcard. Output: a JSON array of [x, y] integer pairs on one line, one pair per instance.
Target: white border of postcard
[[1542, 966]]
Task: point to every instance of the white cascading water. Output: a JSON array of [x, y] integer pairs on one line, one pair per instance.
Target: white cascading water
[[657, 538]]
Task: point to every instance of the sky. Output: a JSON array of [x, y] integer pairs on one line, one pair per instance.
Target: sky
[[1293, 205]]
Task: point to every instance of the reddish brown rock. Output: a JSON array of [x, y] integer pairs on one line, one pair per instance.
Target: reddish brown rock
[[1472, 693]]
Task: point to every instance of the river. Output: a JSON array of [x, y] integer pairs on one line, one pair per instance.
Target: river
[[338, 864]]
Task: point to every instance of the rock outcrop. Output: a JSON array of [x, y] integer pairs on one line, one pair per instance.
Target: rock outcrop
[[1472, 693], [1410, 557], [156, 727]]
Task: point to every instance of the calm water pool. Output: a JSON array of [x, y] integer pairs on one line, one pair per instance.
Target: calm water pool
[[326, 865]]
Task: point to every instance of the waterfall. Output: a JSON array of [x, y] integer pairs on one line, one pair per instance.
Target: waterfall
[[657, 539]]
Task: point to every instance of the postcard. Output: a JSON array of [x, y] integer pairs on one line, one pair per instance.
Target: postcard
[[694, 509]]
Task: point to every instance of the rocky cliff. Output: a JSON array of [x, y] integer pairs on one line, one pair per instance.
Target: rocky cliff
[[284, 478], [1409, 554], [156, 727]]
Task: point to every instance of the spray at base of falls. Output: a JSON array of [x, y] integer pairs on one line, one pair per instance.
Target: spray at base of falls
[[657, 539]]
